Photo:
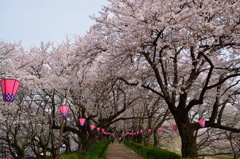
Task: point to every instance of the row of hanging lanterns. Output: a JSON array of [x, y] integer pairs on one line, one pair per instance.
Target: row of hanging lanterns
[[175, 127], [64, 110], [10, 87]]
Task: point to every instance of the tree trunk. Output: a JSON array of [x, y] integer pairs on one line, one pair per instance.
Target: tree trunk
[[146, 139], [139, 138], [87, 141], [189, 144], [155, 139]]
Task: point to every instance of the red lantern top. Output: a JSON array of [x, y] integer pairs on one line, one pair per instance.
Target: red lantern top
[[9, 89], [201, 123], [63, 110], [82, 121]]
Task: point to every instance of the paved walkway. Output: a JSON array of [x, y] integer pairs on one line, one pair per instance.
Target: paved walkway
[[120, 151]]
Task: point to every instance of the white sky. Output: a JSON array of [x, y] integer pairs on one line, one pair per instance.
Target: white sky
[[35, 21]]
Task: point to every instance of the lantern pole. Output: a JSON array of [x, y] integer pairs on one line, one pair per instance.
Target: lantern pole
[[62, 126]]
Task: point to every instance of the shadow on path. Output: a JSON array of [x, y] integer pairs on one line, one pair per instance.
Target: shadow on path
[[120, 151]]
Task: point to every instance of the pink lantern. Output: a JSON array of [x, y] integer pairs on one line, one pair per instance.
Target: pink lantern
[[82, 121], [9, 89], [92, 126], [140, 131], [103, 130], [63, 109], [149, 130], [159, 129], [201, 123], [98, 129], [175, 127]]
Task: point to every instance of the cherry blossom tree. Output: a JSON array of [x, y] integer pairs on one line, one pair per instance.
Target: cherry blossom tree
[[187, 52]]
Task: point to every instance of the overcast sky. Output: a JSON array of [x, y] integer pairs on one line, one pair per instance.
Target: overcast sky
[[33, 21]]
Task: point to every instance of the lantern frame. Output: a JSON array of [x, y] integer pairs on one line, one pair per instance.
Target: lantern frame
[[92, 126], [149, 130], [202, 123], [159, 129], [9, 89], [63, 109], [175, 127], [82, 121]]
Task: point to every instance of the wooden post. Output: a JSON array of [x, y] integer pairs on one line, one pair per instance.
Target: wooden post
[[62, 126]]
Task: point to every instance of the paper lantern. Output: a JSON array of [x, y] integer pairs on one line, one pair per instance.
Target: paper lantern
[[98, 129], [82, 121], [149, 130], [9, 89], [140, 131], [159, 129], [63, 109], [92, 126], [201, 123], [175, 127]]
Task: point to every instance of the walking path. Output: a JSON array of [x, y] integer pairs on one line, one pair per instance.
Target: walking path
[[120, 151]]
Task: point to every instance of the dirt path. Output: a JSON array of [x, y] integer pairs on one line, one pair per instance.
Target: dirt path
[[120, 151]]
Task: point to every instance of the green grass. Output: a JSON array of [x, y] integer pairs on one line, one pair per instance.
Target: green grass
[[97, 151], [150, 152], [71, 155], [221, 157]]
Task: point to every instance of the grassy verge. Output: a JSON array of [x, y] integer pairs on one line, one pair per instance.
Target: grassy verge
[[150, 152], [96, 152], [71, 155], [220, 157]]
